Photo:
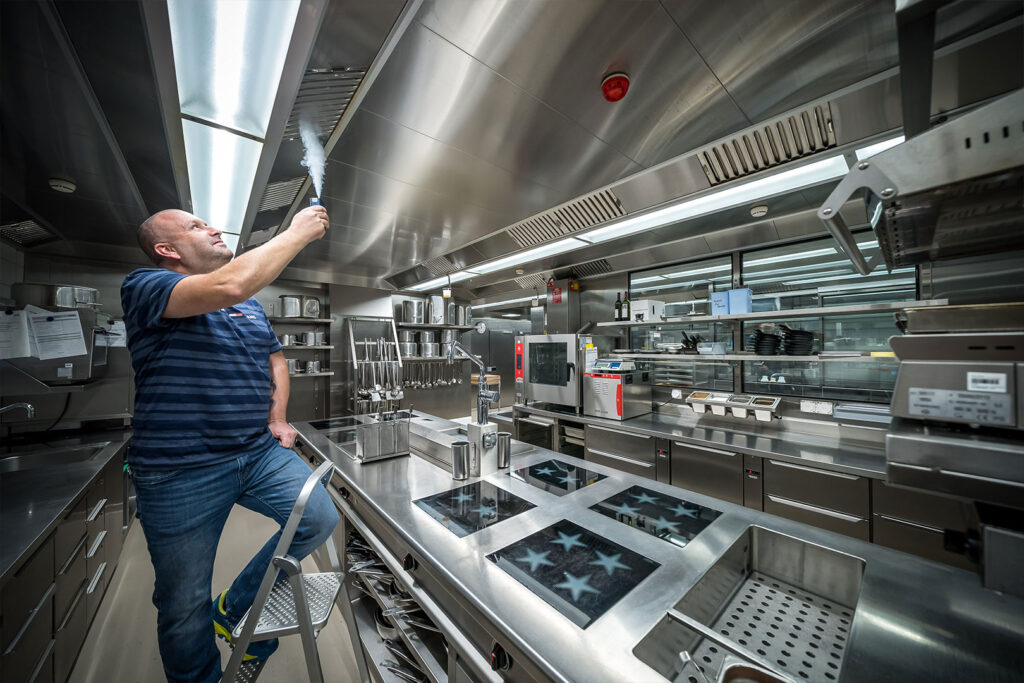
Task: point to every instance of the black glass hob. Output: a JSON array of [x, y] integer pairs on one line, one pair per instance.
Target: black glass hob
[[673, 519], [334, 423], [472, 507], [556, 477], [575, 571]]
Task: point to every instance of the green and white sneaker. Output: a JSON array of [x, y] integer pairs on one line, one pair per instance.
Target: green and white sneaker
[[257, 651]]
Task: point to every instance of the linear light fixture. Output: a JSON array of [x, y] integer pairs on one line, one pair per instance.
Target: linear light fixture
[[441, 281], [810, 174], [221, 171], [559, 247], [872, 150], [497, 304]]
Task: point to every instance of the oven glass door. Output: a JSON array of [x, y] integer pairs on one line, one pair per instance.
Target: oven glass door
[[550, 371], [549, 363]]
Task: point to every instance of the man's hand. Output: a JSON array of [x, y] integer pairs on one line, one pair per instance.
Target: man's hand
[[311, 223], [283, 432]]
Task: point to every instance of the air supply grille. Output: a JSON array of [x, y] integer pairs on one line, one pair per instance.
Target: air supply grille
[[26, 233], [439, 265], [280, 193], [579, 214], [536, 281], [792, 137], [592, 268], [322, 99]]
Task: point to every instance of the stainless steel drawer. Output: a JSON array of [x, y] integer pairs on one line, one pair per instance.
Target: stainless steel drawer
[[635, 446], [23, 653], [70, 633], [23, 592], [710, 471], [94, 590], [821, 488], [642, 468], [916, 539], [922, 508], [68, 534], [69, 578], [851, 525]]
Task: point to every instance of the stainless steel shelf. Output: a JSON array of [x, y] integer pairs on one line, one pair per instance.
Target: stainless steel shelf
[[752, 357], [311, 374], [296, 347], [788, 313], [428, 326], [419, 359], [282, 319]]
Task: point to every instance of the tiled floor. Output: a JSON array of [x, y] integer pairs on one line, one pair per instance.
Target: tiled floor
[[121, 646]]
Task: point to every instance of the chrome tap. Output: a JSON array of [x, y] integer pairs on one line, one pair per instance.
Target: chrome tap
[[484, 395], [29, 408]]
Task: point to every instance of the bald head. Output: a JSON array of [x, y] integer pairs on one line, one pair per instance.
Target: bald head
[[160, 227]]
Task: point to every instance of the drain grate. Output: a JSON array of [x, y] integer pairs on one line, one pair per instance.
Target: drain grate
[[802, 634]]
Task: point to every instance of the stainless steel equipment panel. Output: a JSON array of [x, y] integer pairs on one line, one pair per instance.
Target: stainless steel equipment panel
[[830, 490], [616, 396], [553, 366], [709, 471], [633, 453]]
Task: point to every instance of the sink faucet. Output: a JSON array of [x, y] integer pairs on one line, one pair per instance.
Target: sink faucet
[[484, 395], [29, 408]]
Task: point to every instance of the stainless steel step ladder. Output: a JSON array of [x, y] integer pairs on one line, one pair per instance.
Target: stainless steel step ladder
[[298, 603]]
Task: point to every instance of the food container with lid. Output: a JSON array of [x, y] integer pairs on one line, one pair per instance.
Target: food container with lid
[[428, 337], [291, 306], [310, 307], [430, 350], [406, 336], [412, 311]]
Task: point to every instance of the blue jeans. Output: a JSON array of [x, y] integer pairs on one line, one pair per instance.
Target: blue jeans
[[183, 514]]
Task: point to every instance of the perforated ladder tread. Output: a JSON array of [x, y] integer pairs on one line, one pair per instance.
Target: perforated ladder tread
[[279, 617], [249, 671]]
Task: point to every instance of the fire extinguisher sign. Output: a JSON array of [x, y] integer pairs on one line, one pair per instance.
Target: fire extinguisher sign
[[556, 295]]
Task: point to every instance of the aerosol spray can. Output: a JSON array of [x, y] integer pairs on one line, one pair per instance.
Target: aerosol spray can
[[315, 201]]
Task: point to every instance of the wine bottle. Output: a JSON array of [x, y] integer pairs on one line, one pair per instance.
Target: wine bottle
[[618, 305], [625, 307]]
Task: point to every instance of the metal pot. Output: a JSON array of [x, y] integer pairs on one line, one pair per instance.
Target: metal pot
[[437, 306], [321, 338], [291, 306], [313, 366], [309, 338], [310, 307], [55, 296], [428, 337], [406, 336], [448, 336], [287, 340], [461, 314], [430, 350], [294, 366], [408, 349], [445, 349], [412, 311]]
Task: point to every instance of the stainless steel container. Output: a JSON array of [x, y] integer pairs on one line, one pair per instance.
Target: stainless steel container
[[448, 336], [428, 337], [461, 314], [294, 366], [287, 339], [313, 366], [437, 306], [321, 338], [310, 307], [406, 336], [291, 306], [430, 350], [55, 296], [451, 316], [408, 349], [460, 460], [309, 338], [504, 449], [445, 349], [412, 311]]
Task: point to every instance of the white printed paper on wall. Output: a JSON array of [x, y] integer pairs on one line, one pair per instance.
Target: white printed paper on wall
[[15, 339], [57, 334]]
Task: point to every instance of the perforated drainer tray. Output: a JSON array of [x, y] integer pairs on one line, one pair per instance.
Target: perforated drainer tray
[[802, 634]]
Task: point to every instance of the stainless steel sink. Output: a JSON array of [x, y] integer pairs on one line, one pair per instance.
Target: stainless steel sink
[[49, 457], [782, 604]]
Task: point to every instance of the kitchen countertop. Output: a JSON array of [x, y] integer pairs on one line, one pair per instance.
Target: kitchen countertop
[[32, 502], [835, 451], [913, 620]]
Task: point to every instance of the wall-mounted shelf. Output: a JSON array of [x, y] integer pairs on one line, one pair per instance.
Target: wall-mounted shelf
[[282, 319], [428, 326], [436, 359], [752, 357], [789, 313], [311, 374], [295, 347]]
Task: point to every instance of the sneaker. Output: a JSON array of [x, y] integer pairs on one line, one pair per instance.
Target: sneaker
[[257, 651]]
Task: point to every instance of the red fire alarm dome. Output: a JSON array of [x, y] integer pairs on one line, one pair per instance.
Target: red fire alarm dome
[[614, 86]]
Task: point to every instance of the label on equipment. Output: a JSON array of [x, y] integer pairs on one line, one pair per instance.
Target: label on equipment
[[994, 382], [966, 406]]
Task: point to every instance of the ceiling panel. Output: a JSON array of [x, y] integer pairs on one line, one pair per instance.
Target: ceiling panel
[[558, 52]]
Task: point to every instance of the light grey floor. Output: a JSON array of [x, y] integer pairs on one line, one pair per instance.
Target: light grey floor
[[121, 646]]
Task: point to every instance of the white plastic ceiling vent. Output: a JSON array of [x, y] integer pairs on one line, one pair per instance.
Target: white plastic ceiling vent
[[592, 268], [439, 265], [26, 233], [791, 137], [322, 99], [537, 281], [280, 193], [579, 214]]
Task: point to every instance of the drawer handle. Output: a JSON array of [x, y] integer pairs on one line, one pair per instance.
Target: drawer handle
[[620, 457], [978, 477], [907, 522], [705, 448], [816, 509], [535, 422], [96, 510], [96, 579], [74, 605], [96, 544], [620, 432], [32, 615], [74, 555], [814, 470], [42, 662]]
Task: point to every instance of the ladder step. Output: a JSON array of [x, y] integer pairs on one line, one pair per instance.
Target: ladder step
[[279, 614], [249, 671]]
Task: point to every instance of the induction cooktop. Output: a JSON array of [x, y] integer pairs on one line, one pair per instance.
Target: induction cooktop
[[672, 519], [556, 477], [473, 507], [574, 570], [334, 423]]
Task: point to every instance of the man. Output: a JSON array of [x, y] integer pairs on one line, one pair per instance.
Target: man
[[210, 428]]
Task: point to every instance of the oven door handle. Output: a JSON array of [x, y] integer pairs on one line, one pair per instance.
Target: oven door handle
[[572, 369]]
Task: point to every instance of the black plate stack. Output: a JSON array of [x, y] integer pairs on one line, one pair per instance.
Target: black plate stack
[[763, 344], [796, 342]]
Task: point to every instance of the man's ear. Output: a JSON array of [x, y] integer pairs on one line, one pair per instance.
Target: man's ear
[[166, 250]]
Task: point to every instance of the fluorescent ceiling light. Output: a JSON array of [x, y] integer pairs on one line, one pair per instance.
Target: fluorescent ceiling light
[[228, 56], [558, 247], [230, 239], [864, 285], [872, 150], [221, 171], [698, 271], [440, 281], [497, 304], [831, 251], [840, 276], [511, 315], [810, 174]]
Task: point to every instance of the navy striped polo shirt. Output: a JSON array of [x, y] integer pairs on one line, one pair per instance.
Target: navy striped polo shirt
[[202, 384]]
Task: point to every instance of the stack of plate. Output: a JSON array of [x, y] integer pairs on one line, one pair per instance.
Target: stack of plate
[[763, 344], [797, 342]]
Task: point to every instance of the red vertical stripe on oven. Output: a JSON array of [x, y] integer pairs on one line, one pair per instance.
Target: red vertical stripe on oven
[[519, 360], [618, 400]]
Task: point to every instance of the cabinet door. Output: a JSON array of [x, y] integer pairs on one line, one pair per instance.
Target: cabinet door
[[710, 471], [632, 453], [851, 525]]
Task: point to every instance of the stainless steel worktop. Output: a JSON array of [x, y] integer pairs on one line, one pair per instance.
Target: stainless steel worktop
[[914, 619], [852, 451], [33, 500]]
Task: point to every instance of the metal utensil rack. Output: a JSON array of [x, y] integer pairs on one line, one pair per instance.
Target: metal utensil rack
[[374, 383]]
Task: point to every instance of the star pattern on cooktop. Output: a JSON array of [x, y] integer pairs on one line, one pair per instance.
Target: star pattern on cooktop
[[568, 542], [644, 498], [662, 523], [627, 509], [463, 497], [544, 471], [567, 479], [680, 511], [577, 585], [485, 510], [535, 559], [609, 562]]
